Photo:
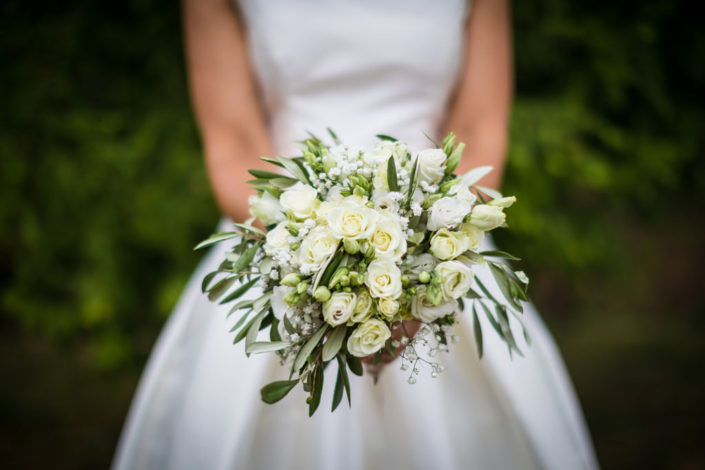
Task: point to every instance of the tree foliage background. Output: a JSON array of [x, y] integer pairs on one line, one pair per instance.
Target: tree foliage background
[[103, 194]]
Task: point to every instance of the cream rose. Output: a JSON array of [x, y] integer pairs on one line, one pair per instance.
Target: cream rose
[[424, 310], [447, 245], [388, 307], [363, 307], [266, 208], [388, 239], [447, 212], [316, 247], [299, 200], [487, 217], [383, 279], [456, 279], [338, 309], [368, 338], [277, 238], [349, 218], [430, 166]]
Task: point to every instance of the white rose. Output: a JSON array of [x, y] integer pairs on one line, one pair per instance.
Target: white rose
[[448, 245], [388, 239], [447, 212], [456, 279], [277, 238], [350, 218], [388, 307], [430, 166], [266, 208], [383, 279], [487, 217], [424, 310], [338, 309], [368, 338], [299, 200], [316, 247], [363, 307], [473, 236]]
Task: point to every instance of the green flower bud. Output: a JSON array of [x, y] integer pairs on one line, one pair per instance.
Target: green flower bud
[[405, 280], [301, 287], [345, 280], [428, 202], [448, 143], [291, 298], [321, 294], [351, 246], [434, 294], [356, 278], [359, 191], [293, 228], [424, 277], [454, 159], [337, 276], [347, 289], [291, 280], [412, 290]]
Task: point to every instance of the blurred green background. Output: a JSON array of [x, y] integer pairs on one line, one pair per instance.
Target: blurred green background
[[103, 194]]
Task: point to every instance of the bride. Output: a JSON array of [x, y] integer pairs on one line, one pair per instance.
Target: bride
[[262, 74]]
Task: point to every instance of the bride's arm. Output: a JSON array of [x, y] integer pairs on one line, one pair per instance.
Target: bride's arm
[[479, 112], [225, 100]]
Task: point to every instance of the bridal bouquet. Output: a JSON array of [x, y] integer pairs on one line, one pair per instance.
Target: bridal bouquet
[[359, 244]]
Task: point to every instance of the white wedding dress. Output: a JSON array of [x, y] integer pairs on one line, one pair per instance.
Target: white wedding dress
[[362, 67]]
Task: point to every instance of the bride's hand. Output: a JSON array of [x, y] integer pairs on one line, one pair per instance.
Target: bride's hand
[[405, 328]]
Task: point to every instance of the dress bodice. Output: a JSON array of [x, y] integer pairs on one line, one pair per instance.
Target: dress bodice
[[361, 67]]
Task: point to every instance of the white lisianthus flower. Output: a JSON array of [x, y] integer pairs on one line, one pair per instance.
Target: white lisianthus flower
[[318, 245], [380, 182], [473, 236], [422, 262], [363, 307], [279, 306], [462, 192], [277, 238], [266, 208], [387, 307], [424, 310], [503, 202], [385, 201], [334, 193], [350, 218], [368, 338], [456, 279], [388, 239], [430, 165], [447, 245], [383, 279], [447, 212], [300, 200], [338, 309], [486, 217]]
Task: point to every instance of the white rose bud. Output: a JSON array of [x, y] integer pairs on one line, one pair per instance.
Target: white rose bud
[[266, 208], [383, 279], [430, 165], [338, 309], [277, 238], [388, 239], [448, 245], [368, 338], [299, 200], [424, 310], [350, 218], [486, 217], [363, 307], [388, 307], [447, 212], [456, 279], [503, 202], [315, 248]]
